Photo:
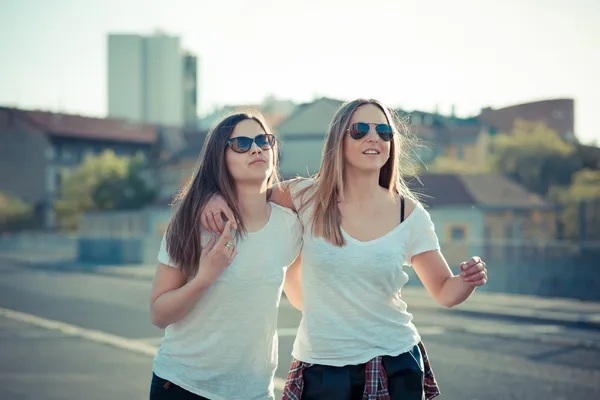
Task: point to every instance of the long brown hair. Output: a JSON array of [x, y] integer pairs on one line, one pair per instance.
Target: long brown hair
[[329, 181], [211, 177]]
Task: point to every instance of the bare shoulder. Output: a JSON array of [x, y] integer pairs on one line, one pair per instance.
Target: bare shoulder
[[409, 206], [280, 194]]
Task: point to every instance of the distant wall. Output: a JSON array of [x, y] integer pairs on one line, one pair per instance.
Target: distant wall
[[553, 270], [39, 242], [122, 237]]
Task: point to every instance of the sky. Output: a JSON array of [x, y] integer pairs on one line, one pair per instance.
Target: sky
[[418, 54]]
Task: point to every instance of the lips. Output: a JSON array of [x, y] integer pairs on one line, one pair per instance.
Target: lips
[[259, 160], [372, 152]]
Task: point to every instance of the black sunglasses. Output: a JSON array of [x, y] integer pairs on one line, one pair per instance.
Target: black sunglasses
[[243, 144], [360, 129]]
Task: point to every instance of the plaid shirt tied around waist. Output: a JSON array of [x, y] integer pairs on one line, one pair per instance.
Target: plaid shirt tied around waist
[[376, 385]]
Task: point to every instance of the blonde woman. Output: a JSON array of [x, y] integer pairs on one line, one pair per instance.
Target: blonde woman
[[356, 339]]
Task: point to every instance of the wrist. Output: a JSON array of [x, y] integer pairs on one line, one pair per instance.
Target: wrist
[[200, 282]]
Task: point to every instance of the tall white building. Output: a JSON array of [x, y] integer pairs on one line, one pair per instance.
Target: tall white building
[[146, 79]]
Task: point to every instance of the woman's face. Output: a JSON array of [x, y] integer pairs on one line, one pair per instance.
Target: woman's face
[[249, 154], [365, 144]]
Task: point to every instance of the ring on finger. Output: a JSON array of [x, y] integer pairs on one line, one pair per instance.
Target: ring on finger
[[229, 245]]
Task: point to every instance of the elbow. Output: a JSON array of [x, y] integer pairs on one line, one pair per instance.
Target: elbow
[[158, 322], [445, 302], [157, 319], [448, 304]]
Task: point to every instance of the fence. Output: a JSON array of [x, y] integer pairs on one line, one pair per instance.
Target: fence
[[553, 269]]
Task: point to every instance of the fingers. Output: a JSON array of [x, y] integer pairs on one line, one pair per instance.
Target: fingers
[[226, 236], [232, 254], [480, 281], [220, 224], [204, 220], [478, 276], [473, 261], [467, 271], [212, 224], [474, 271], [209, 245], [230, 217], [211, 217]]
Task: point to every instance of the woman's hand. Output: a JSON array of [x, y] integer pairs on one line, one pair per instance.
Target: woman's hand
[[474, 271], [212, 215], [216, 257]]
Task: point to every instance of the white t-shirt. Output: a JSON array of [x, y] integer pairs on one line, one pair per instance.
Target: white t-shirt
[[226, 346], [352, 309]]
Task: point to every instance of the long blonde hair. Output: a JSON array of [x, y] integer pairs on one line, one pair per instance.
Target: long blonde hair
[[329, 181]]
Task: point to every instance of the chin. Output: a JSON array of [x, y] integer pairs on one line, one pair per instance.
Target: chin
[[257, 179], [374, 165]]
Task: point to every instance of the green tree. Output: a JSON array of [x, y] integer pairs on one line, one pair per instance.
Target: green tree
[[103, 182], [581, 204], [535, 156], [453, 166], [14, 212]]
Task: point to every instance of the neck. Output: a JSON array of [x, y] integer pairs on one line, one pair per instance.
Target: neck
[[361, 187], [252, 201]]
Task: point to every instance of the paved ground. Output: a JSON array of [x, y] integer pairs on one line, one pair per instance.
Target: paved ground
[[38, 363], [86, 336]]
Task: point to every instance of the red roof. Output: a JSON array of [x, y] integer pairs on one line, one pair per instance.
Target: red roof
[[81, 127]]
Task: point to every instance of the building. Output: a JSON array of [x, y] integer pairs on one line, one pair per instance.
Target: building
[[303, 136], [557, 114], [274, 110], [190, 90], [467, 140], [461, 139], [173, 172], [37, 147], [483, 214], [151, 80]]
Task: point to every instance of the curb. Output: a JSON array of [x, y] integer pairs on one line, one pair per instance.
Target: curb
[[574, 320], [552, 340], [66, 266]]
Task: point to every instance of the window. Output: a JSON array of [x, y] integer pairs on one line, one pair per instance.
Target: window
[[58, 179], [458, 234], [509, 230], [50, 153]]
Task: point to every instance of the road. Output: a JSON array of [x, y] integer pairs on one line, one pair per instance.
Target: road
[[85, 336]]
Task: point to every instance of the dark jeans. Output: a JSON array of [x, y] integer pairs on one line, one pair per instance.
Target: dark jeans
[[405, 379], [161, 389]]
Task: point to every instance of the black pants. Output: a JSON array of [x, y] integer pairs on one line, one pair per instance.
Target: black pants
[[161, 389], [404, 372]]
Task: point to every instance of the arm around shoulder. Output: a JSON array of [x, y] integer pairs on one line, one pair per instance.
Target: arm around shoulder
[[281, 194]]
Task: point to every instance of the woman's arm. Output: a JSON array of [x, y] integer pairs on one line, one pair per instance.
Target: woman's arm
[[173, 296], [292, 285], [212, 219], [444, 287], [430, 265]]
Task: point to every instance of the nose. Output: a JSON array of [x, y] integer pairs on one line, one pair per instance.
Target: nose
[[255, 149], [372, 136]]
